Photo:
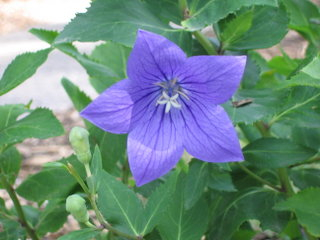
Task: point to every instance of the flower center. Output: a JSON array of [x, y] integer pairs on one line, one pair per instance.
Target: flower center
[[170, 94]]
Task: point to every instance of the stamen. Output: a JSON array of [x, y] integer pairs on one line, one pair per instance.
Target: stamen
[[170, 94]]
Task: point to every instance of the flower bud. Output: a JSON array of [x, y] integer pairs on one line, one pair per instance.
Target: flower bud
[[79, 139], [76, 205]]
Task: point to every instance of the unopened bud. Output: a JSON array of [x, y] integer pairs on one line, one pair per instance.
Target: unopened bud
[[79, 139], [76, 205]]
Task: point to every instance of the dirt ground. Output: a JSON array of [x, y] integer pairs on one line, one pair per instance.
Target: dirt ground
[[13, 17]]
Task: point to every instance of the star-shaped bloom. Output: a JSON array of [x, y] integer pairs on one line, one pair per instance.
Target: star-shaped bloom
[[168, 104]]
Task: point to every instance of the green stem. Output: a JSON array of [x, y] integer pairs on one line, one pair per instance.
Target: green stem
[[285, 182], [258, 178], [93, 203], [31, 232], [204, 41], [183, 5]]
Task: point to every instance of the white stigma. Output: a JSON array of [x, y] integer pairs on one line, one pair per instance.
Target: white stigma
[[169, 101]]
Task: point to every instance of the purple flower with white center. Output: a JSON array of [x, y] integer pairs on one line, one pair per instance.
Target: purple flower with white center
[[170, 103]]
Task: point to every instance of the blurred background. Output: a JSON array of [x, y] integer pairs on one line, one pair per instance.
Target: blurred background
[[44, 88]]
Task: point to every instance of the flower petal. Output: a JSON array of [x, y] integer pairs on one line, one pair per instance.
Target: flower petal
[[209, 134], [154, 147], [112, 109], [215, 78], [153, 58]]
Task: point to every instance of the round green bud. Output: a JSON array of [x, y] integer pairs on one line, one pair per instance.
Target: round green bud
[[76, 205], [79, 139]]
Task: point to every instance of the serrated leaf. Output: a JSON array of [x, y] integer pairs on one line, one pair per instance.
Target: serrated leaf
[[263, 103], [114, 56], [181, 224], [220, 180], [11, 230], [300, 108], [213, 11], [283, 64], [52, 217], [196, 181], [234, 209], [21, 68], [306, 206], [269, 26], [83, 234], [10, 161], [112, 147], [47, 184], [304, 178], [158, 203], [309, 137], [116, 21], [9, 113], [307, 76], [301, 14], [276, 153], [236, 28], [94, 69], [79, 98], [40, 123], [166, 10], [46, 35], [119, 205]]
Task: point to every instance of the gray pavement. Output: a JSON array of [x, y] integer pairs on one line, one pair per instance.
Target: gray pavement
[[44, 88]]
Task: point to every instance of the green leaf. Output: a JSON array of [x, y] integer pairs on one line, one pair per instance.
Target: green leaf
[[262, 103], [309, 137], [114, 56], [284, 64], [306, 206], [236, 28], [52, 217], [158, 202], [269, 26], [45, 35], [96, 167], [213, 11], [196, 181], [166, 10], [181, 224], [83, 234], [112, 147], [116, 21], [301, 14], [119, 205], [79, 98], [308, 76], [276, 153], [300, 108], [40, 123], [94, 69], [96, 163], [220, 180], [9, 114], [233, 209], [304, 178], [21, 68], [11, 230], [10, 161], [47, 184]]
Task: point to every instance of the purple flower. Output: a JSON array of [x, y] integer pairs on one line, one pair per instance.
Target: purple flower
[[170, 103]]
